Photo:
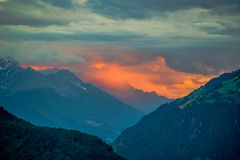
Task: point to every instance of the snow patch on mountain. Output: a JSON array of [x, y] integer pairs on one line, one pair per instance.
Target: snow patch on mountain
[[93, 123]]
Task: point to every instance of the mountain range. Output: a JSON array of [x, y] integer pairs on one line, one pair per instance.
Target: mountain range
[[145, 102], [61, 99], [20, 139], [204, 125]]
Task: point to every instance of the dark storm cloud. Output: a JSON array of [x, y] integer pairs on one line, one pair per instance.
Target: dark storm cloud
[[146, 8], [68, 4], [19, 12], [204, 60], [16, 18], [9, 34], [193, 41], [232, 32]]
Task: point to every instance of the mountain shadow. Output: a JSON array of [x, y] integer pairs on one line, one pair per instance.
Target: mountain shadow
[[20, 140]]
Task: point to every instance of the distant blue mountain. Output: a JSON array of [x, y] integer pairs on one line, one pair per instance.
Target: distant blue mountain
[[205, 125], [61, 99], [143, 101]]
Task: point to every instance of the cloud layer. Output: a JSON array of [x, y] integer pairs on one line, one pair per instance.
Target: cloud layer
[[187, 37], [144, 9]]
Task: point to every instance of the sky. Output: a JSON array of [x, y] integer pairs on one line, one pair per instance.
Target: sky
[[170, 47]]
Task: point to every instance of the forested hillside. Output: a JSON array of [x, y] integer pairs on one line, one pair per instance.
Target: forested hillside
[[20, 140]]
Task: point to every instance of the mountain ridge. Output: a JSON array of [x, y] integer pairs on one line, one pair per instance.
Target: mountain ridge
[[141, 100], [203, 125], [62, 100]]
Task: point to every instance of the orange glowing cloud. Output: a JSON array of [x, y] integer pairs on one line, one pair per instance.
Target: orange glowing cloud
[[99, 65], [147, 74], [153, 75], [40, 67]]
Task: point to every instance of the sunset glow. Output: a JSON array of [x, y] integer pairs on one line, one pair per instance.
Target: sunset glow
[[170, 48], [140, 75], [153, 75], [40, 67], [150, 76]]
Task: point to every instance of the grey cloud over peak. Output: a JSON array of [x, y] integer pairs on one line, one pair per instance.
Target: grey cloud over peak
[[141, 9], [35, 12], [194, 36], [68, 4]]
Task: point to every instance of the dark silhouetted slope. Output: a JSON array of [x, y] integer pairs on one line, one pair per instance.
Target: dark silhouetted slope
[[204, 125], [21, 140]]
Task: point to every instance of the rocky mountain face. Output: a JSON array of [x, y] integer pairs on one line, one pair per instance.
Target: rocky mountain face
[[205, 125], [61, 99]]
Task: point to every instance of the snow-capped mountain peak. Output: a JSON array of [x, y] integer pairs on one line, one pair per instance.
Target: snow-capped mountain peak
[[6, 63]]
